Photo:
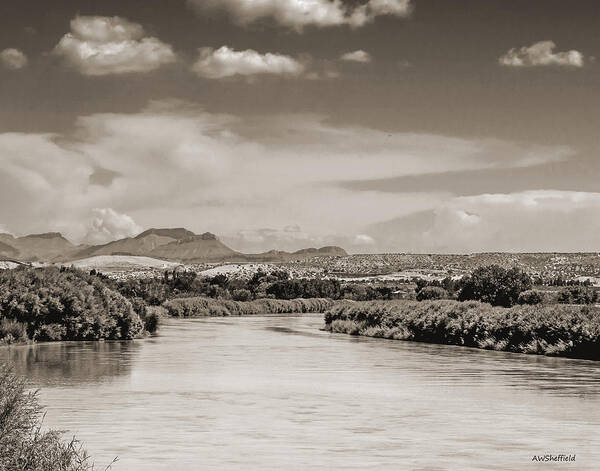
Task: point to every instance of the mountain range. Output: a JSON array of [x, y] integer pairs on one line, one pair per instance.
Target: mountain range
[[176, 245]]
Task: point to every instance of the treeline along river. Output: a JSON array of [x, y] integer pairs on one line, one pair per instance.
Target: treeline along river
[[271, 393]]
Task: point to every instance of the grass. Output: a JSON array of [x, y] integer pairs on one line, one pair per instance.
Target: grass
[[558, 330], [23, 444], [208, 307]]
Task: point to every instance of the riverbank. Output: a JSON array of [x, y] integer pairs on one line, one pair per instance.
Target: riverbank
[[557, 330], [208, 307]]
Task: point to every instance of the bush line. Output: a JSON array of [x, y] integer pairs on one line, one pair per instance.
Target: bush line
[[559, 330], [208, 307]]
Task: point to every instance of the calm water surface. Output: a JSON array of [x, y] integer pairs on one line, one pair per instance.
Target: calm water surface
[[273, 393]]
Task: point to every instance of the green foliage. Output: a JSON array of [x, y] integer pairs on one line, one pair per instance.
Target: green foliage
[[65, 304], [305, 288], [206, 307], [495, 285], [431, 292], [357, 291], [549, 330], [12, 332], [531, 297], [577, 295], [23, 446], [154, 317], [450, 285], [241, 295]]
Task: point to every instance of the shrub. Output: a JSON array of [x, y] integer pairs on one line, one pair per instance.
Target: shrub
[[431, 292], [495, 285], [531, 297], [241, 295], [577, 295], [12, 332], [208, 307], [23, 446], [550, 330], [154, 316], [66, 304]]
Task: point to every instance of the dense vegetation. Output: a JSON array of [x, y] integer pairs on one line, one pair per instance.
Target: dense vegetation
[[431, 292], [23, 446], [495, 285], [274, 285], [549, 330], [205, 307], [64, 304], [577, 295], [48, 304]]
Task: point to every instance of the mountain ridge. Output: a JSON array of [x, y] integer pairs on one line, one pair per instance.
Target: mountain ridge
[[170, 244]]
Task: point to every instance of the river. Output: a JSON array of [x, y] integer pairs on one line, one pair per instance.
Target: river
[[276, 393]]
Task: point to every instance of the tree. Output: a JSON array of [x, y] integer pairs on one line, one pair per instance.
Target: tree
[[431, 292], [495, 285], [577, 295], [531, 297], [241, 295]]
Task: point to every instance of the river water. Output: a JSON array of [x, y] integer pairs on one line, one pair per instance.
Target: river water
[[276, 393]]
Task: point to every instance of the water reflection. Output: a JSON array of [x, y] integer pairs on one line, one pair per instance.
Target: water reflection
[[71, 363]]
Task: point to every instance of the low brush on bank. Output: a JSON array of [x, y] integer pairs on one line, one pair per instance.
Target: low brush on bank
[[558, 330], [207, 307], [23, 445]]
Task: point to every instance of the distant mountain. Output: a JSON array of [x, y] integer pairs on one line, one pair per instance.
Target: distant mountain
[[141, 245], [49, 246], [178, 233], [275, 256], [197, 248], [7, 251], [176, 245]]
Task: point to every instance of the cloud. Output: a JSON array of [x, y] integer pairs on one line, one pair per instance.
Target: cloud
[[99, 45], [542, 54], [356, 56], [297, 14], [13, 59], [226, 62], [529, 221], [107, 225], [177, 165]]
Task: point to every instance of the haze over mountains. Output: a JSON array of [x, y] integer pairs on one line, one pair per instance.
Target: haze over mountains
[[177, 245]]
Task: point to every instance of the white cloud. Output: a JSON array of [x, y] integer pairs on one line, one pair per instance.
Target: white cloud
[[533, 221], [226, 62], [99, 45], [528, 221], [107, 225], [13, 59], [356, 56], [542, 54], [300, 13], [181, 166]]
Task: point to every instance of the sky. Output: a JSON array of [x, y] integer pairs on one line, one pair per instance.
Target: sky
[[377, 125]]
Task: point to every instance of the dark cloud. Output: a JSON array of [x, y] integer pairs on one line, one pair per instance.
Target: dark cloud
[[103, 177]]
